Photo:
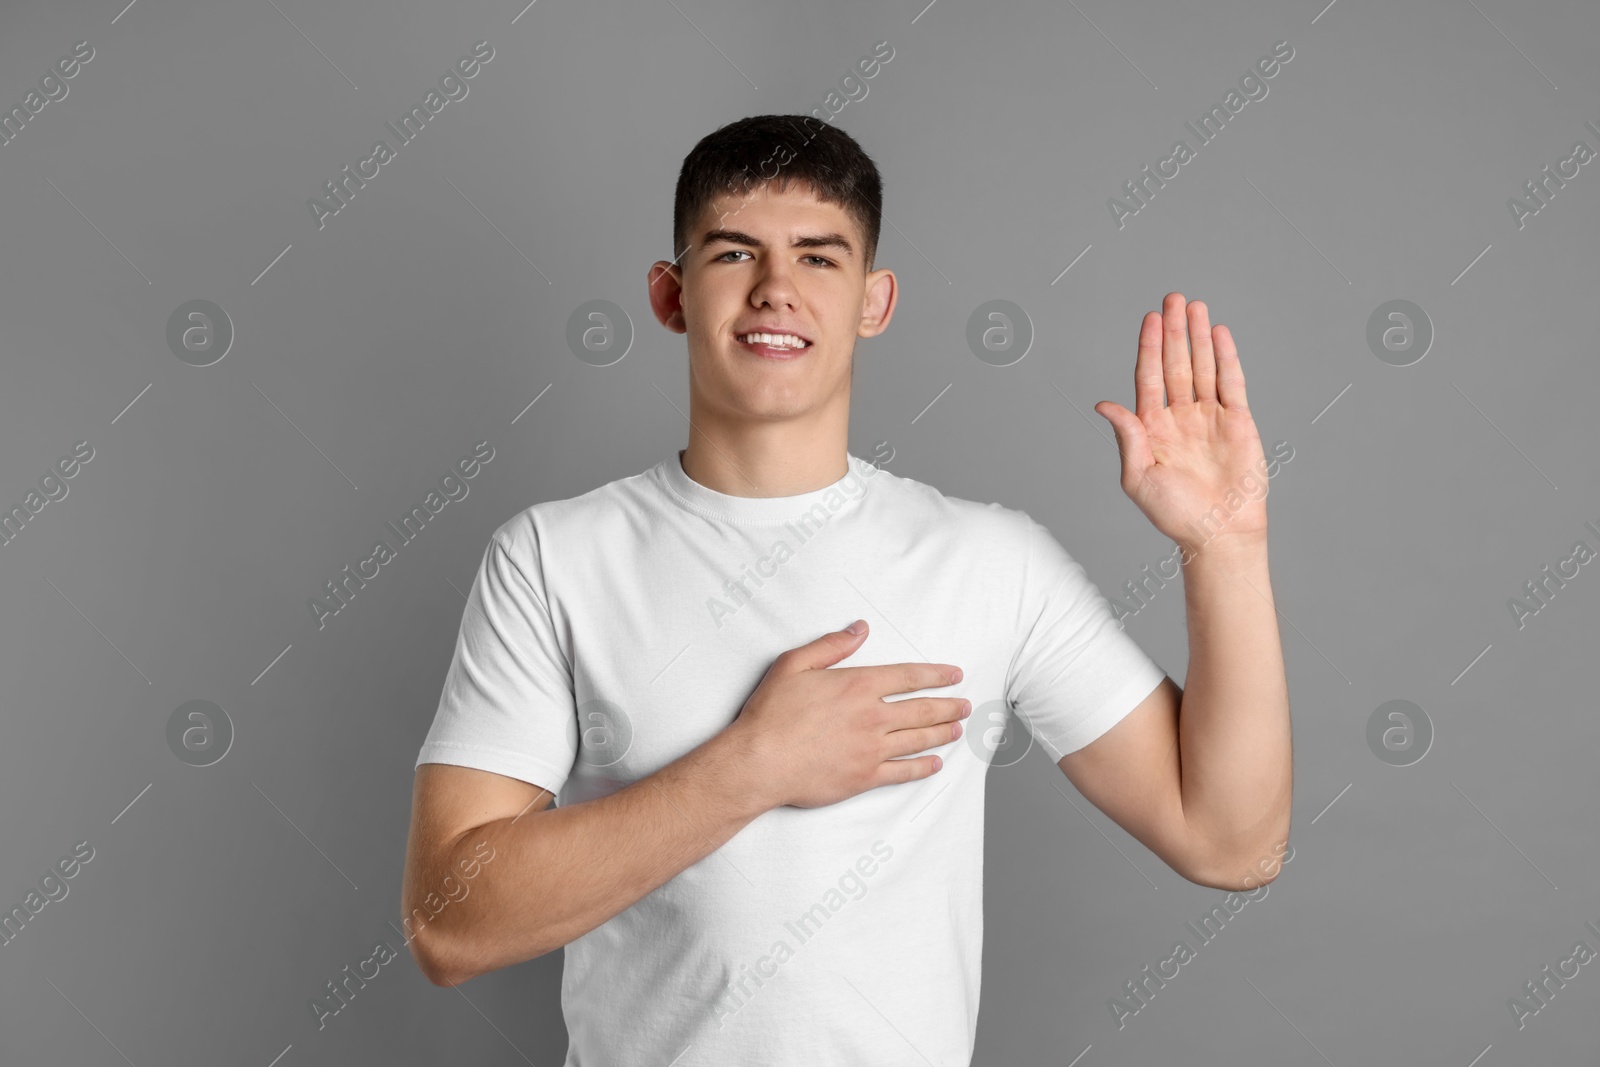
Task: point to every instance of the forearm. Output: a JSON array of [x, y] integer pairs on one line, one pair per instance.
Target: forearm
[[560, 873], [1234, 735]]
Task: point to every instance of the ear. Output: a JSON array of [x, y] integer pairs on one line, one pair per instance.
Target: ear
[[666, 295], [881, 294]]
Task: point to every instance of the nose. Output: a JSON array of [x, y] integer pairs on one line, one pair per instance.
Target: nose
[[775, 287]]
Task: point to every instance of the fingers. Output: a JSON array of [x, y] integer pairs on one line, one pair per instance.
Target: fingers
[[825, 651], [1149, 384], [895, 771], [1230, 373], [1175, 360], [906, 742], [1205, 362], [922, 712], [888, 678]]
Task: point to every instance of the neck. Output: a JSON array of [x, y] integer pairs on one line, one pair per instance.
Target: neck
[[766, 459]]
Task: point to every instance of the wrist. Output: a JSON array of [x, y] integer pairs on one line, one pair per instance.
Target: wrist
[[1230, 548], [742, 764]]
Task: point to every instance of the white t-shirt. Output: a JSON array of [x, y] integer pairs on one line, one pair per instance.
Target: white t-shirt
[[646, 612]]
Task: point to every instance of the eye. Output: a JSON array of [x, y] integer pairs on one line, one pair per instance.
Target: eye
[[821, 261]]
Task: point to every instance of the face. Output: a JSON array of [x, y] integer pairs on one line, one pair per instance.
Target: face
[[777, 263]]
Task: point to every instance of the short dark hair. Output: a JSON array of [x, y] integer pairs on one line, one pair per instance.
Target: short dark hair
[[744, 155]]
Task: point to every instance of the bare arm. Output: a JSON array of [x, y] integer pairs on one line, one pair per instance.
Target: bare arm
[[1234, 730], [1203, 775], [493, 879], [555, 875]]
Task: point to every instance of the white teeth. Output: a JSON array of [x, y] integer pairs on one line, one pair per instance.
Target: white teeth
[[776, 340]]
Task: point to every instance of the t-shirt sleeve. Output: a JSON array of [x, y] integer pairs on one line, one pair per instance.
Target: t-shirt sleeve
[[1077, 672], [507, 704]]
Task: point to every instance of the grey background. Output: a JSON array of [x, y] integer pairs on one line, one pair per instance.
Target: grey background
[[376, 351]]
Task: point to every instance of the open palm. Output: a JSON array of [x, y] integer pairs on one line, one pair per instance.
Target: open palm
[[1191, 457]]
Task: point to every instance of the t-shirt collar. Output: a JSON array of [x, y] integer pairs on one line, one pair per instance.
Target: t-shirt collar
[[763, 510]]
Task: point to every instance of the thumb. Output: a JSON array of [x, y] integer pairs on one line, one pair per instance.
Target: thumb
[[1131, 443], [828, 649]]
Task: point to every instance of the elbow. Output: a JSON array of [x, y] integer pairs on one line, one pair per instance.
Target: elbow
[[447, 962], [1230, 877], [1242, 872], [436, 961], [1240, 863], [443, 979]]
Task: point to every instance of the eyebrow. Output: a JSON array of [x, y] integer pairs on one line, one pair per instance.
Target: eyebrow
[[814, 240]]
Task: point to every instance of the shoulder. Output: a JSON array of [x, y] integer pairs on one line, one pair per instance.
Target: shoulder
[[1007, 531], [586, 519]]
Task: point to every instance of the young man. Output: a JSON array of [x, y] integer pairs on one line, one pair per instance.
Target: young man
[[769, 842]]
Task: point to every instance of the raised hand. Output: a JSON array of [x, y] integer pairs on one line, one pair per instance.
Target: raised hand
[[1190, 449]]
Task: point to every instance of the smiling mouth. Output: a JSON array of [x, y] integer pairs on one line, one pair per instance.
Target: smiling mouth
[[773, 345]]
